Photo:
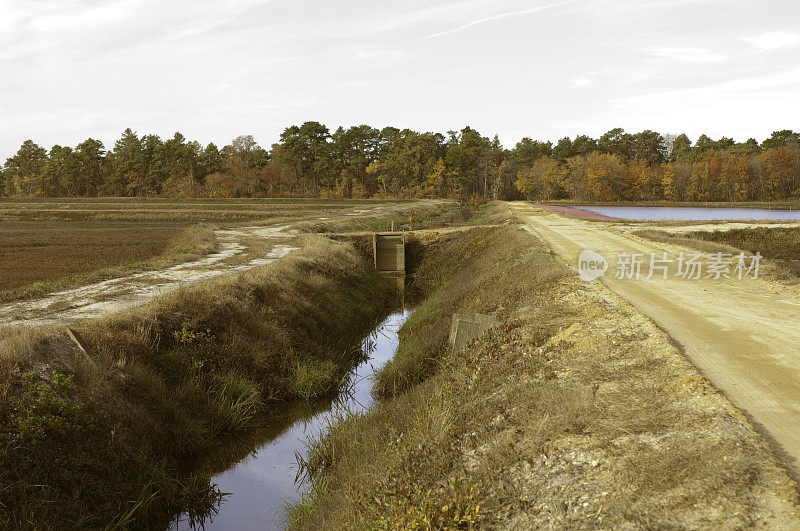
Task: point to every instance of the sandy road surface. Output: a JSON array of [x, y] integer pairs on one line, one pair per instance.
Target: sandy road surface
[[723, 227], [115, 294], [743, 335]]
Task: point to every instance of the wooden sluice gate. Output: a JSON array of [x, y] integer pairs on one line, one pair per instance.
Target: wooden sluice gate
[[389, 255], [389, 252]]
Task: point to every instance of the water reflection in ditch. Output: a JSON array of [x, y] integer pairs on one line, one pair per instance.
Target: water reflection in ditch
[[264, 480]]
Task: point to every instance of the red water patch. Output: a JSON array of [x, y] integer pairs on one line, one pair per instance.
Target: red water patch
[[577, 212]]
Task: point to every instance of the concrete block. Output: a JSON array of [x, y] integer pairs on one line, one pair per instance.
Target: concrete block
[[466, 327]]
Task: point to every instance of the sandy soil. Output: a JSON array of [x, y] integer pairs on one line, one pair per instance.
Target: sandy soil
[[711, 227], [609, 479], [743, 335], [237, 250]]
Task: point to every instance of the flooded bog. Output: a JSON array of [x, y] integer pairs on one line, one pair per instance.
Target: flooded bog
[[260, 484], [692, 213]]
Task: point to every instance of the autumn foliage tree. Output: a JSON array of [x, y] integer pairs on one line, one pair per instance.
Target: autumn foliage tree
[[362, 161], [545, 179]]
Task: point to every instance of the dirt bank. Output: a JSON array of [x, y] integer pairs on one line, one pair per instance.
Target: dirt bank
[[723, 226], [741, 334], [575, 411]]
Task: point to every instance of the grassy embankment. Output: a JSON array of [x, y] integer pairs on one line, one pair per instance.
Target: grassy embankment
[[103, 438], [779, 246], [574, 411], [406, 216]]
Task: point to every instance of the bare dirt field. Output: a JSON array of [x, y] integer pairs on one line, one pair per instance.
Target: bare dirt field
[[741, 334]]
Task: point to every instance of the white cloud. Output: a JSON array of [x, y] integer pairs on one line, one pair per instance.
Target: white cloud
[[70, 69], [500, 16], [688, 54], [773, 40], [754, 86], [744, 107]]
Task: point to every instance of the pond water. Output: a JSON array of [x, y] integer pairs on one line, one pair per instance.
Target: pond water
[[264, 480], [692, 213]]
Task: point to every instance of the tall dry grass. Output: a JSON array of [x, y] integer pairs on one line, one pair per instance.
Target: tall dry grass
[[573, 412], [165, 383], [780, 247]]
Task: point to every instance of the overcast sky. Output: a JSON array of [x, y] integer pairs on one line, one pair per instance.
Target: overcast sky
[[72, 69]]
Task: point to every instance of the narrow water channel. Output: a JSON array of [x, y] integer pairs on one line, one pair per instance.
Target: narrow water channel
[[262, 482]]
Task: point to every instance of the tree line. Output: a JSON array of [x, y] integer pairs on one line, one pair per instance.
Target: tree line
[[364, 162]]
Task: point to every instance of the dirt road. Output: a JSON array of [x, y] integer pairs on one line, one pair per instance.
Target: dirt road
[[236, 250], [743, 335]]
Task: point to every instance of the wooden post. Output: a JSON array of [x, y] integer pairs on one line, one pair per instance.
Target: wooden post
[[80, 343]]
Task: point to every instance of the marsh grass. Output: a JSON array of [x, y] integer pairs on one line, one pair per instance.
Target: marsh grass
[[104, 439], [207, 210]]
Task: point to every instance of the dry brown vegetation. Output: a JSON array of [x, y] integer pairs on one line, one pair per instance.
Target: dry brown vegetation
[[176, 210], [103, 439], [779, 246], [576, 411]]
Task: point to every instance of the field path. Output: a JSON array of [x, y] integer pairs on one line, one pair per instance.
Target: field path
[[743, 335], [235, 251]]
